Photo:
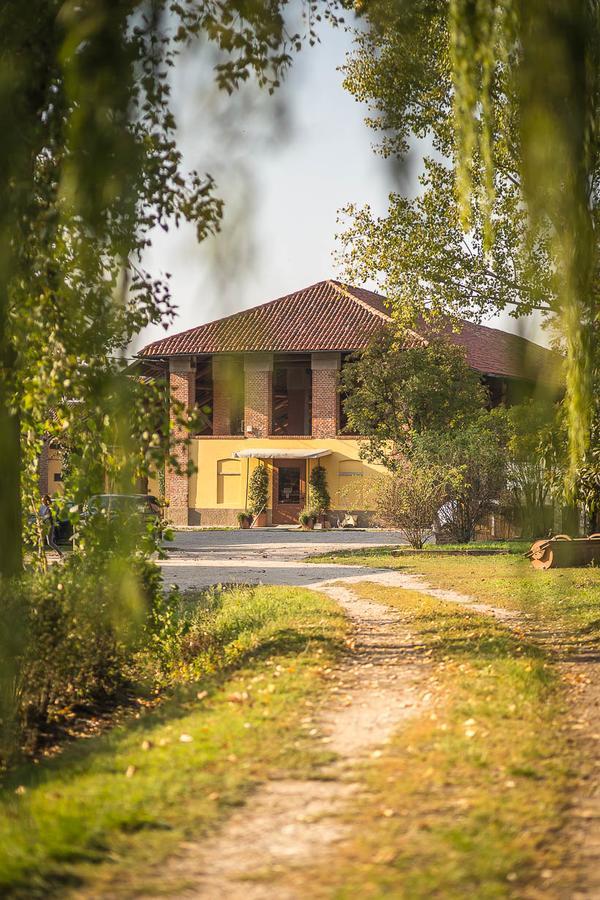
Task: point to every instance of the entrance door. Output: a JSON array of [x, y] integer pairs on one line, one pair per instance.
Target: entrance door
[[289, 490]]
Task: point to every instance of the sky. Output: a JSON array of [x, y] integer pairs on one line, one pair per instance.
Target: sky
[[285, 165]]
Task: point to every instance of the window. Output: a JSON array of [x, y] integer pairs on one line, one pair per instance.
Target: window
[[229, 482], [292, 394], [343, 418], [204, 395], [289, 484], [236, 422]]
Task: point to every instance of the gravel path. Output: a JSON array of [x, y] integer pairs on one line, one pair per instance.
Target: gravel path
[[378, 686]]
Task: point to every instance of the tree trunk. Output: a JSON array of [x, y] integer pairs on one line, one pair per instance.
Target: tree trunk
[[11, 547]]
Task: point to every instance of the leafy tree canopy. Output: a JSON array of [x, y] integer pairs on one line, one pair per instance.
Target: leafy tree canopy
[[419, 252], [396, 389]]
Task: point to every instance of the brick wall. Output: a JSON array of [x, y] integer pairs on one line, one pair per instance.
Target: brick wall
[[258, 394], [182, 378], [221, 395], [325, 402], [43, 470]]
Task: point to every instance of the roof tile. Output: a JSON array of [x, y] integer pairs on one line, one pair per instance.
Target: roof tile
[[331, 316]]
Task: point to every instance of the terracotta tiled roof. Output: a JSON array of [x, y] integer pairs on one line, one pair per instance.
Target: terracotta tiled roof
[[492, 351], [325, 316], [331, 316]]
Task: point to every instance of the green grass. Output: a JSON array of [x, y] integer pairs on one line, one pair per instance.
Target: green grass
[[564, 598], [131, 796], [505, 546], [466, 799]]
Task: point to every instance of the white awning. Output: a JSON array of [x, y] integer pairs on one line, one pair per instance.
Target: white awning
[[275, 453]]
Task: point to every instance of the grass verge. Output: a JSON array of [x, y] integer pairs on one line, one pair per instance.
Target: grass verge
[[465, 800], [131, 796], [563, 598]]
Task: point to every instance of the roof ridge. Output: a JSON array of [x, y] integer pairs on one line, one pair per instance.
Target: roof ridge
[[347, 291], [233, 315], [343, 289]]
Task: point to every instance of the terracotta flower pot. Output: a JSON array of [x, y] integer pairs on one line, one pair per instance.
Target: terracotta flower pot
[[260, 521]]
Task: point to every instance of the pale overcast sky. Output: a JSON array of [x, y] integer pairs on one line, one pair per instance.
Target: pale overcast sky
[[284, 165]]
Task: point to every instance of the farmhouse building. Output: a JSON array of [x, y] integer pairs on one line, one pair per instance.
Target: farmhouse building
[[265, 384]]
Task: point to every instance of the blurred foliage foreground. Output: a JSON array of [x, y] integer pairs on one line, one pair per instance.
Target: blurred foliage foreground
[[89, 167]]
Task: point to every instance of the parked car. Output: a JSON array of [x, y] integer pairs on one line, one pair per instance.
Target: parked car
[[144, 505]]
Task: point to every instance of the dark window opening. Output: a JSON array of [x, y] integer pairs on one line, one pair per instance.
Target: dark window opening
[[236, 409], [343, 417], [204, 396], [292, 395], [507, 391]]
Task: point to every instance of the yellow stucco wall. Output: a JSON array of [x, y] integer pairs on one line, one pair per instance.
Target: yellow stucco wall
[[54, 469], [220, 482]]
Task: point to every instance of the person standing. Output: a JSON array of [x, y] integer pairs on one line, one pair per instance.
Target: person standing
[[47, 517]]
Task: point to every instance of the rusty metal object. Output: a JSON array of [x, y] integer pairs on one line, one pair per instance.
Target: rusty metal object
[[562, 551]]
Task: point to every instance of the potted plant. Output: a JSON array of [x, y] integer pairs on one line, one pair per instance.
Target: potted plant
[[307, 520], [244, 519], [258, 495], [320, 499]]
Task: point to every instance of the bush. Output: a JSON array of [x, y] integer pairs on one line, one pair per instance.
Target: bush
[[477, 451], [69, 638], [258, 490], [320, 501], [410, 499]]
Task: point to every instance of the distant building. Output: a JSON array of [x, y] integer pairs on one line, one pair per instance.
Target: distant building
[[265, 380]]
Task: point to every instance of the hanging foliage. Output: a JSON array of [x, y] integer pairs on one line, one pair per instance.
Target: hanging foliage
[[553, 48], [506, 94]]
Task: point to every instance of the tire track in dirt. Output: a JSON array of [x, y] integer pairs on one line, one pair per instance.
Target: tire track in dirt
[[382, 683], [578, 662]]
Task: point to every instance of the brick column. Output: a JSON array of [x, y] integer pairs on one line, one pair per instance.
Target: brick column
[[325, 400], [222, 388], [43, 469], [182, 376], [258, 394]]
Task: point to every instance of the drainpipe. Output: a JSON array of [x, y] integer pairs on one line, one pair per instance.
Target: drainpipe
[[247, 480]]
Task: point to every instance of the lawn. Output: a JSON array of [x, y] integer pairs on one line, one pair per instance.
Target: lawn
[[564, 598], [466, 799], [131, 796]]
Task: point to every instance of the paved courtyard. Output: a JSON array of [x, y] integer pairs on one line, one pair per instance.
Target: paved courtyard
[[198, 559]]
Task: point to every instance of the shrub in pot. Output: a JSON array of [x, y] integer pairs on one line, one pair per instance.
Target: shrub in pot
[[320, 499], [244, 520], [258, 494], [307, 520]]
